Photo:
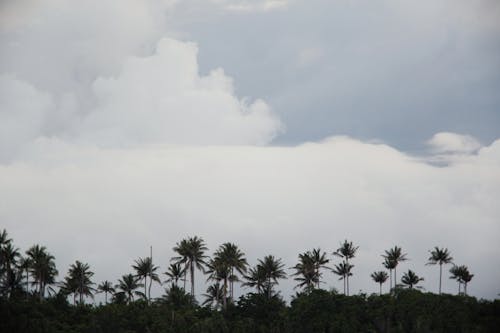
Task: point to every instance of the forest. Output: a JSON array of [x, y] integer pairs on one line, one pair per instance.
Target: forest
[[34, 299]]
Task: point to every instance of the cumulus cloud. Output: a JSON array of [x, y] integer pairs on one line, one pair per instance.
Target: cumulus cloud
[[279, 200], [115, 82], [449, 143]]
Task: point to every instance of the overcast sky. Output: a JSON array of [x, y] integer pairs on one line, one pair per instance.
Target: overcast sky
[[278, 125]]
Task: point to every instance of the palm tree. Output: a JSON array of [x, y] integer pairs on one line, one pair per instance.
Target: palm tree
[[410, 279], [145, 268], [390, 265], [320, 261], [105, 287], [128, 286], [235, 259], [306, 272], [256, 278], [394, 257], [344, 271], [192, 255], [380, 277], [440, 256], [462, 275], [79, 275], [9, 256], [219, 270], [43, 268], [24, 266], [175, 273], [346, 251], [273, 271], [214, 295]]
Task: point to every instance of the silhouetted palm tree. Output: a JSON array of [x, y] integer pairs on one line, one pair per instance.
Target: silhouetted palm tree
[[347, 251], [380, 277], [43, 268], [441, 257], [219, 270], [235, 259], [24, 266], [320, 260], [410, 279], [145, 268], [214, 296], [175, 273], [306, 272], [191, 254], [256, 278], [106, 287], [462, 275], [272, 269], [128, 286], [344, 271], [80, 275], [394, 257]]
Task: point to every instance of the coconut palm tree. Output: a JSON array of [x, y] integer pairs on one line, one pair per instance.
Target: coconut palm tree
[[410, 279], [175, 273], [105, 287], [214, 296], [462, 275], [380, 277], [272, 269], [145, 268], [80, 275], [320, 260], [128, 286], [192, 255], [306, 272], [43, 268], [256, 278], [236, 260], [344, 271], [9, 256], [394, 257], [441, 257], [24, 267], [346, 251], [218, 270]]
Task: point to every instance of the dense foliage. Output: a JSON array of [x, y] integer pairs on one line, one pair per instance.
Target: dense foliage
[[32, 299]]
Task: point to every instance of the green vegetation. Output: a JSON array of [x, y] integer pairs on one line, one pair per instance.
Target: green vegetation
[[33, 300]]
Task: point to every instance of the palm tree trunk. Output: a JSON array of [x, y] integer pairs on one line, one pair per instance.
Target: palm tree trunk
[[145, 286], [106, 297], [440, 274], [380, 289], [149, 290], [395, 278], [390, 280], [192, 278], [224, 293], [465, 289], [347, 285]]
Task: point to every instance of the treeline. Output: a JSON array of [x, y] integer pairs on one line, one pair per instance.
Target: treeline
[[32, 299]]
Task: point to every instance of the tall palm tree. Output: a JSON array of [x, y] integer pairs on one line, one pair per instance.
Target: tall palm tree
[[394, 257], [235, 259], [346, 251], [191, 254], [320, 260], [175, 273], [272, 269], [145, 268], [344, 271], [80, 275], [218, 270], [441, 257], [380, 277], [462, 275], [410, 279], [9, 256], [306, 272], [24, 266], [128, 286], [390, 265], [105, 287], [43, 268]]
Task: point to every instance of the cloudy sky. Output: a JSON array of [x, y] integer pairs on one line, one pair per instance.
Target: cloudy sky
[[280, 125]]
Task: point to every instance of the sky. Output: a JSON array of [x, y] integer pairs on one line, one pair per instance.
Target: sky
[[280, 125]]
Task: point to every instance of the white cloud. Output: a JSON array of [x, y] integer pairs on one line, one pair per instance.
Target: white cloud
[[252, 5], [447, 142], [280, 200]]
